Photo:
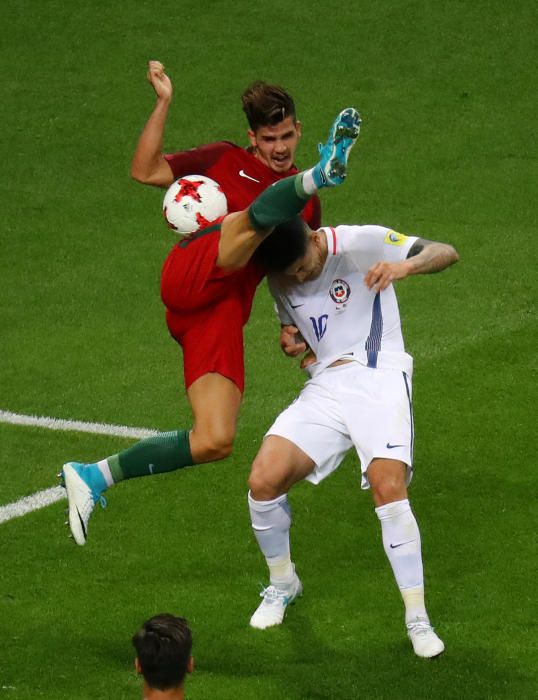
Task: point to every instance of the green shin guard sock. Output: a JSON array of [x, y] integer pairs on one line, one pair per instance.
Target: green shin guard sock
[[278, 203], [165, 452]]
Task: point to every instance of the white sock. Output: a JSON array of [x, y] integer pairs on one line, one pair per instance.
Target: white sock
[[281, 570], [105, 471], [413, 599], [309, 186], [401, 540], [271, 521]]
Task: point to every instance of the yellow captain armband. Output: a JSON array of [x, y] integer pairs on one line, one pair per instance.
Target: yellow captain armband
[[395, 238]]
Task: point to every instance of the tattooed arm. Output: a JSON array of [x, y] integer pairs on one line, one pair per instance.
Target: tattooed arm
[[424, 257]]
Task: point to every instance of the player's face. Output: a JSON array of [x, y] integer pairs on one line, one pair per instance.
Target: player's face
[[310, 265], [276, 145]]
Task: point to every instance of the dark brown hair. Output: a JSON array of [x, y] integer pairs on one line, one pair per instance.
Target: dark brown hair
[[163, 647], [284, 246], [266, 105]]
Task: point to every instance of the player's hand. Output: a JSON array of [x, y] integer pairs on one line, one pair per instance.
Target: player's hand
[[291, 341], [380, 275], [308, 359], [160, 81]]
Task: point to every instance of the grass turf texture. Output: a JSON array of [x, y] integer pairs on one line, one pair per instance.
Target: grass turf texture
[[446, 93]]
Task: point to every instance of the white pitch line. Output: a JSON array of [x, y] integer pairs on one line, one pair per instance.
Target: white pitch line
[[29, 503], [77, 425], [56, 493]]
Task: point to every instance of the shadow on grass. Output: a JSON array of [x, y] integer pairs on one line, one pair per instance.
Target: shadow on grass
[[302, 663]]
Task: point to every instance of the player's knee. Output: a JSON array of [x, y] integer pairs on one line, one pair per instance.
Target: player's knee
[[212, 448], [262, 487], [261, 490], [388, 490], [219, 449], [387, 481]]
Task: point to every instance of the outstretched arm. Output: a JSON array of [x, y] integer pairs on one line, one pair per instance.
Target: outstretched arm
[[424, 257], [149, 165]]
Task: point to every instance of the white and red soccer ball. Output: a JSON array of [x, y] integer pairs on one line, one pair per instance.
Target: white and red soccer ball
[[193, 202]]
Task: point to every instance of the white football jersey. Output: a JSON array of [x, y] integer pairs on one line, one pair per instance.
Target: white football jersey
[[337, 315]]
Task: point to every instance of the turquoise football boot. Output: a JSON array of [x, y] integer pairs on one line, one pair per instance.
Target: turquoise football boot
[[332, 167], [84, 484]]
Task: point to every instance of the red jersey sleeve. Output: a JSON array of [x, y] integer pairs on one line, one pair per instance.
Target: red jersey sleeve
[[197, 161], [312, 213]]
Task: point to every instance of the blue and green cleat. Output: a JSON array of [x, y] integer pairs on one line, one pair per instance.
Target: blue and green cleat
[[332, 167], [84, 484]]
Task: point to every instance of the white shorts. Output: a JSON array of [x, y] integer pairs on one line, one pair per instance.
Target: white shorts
[[351, 405]]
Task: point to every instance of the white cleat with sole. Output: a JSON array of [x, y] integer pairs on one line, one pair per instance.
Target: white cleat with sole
[[82, 493], [275, 601], [423, 638]]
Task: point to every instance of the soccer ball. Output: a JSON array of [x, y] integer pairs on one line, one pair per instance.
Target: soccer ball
[[193, 202]]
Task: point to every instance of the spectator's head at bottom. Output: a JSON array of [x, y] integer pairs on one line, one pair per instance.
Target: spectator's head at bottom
[[163, 651]]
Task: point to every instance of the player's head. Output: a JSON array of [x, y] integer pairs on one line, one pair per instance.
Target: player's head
[[274, 130], [287, 243], [309, 265], [163, 651]]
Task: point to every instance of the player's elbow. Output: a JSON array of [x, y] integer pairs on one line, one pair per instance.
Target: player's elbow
[[140, 175], [158, 175]]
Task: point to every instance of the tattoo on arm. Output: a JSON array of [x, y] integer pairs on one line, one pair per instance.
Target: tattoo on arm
[[416, 248], [431, 256]]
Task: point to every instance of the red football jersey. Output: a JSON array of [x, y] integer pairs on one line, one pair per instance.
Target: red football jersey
[[241, 175]]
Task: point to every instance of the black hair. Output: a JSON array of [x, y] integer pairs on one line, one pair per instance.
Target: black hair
[[285, 245], [163, 646]]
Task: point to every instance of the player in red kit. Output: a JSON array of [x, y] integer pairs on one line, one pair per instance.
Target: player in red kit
[[208, 284], [243, 173], [213, 367]]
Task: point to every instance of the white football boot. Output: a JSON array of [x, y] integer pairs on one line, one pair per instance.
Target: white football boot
[[272, 609], [423, 638], [84, 484]]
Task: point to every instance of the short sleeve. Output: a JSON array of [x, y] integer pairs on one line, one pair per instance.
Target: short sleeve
[[367, 245], [197, 160]]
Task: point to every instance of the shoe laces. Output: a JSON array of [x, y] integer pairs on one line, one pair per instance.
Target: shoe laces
[[420, 626], [271, 594]]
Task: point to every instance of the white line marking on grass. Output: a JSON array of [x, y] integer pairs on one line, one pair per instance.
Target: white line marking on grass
[[77, 425], [29, 503], [57, 493]]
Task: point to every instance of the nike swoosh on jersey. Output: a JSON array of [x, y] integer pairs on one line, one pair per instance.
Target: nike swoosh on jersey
[[296, 306], [243, 174], [390, 447]]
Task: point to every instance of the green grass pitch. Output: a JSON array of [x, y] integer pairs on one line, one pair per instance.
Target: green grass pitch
[[447, 93]]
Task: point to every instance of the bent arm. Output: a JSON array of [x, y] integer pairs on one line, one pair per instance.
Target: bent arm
[[293, 344], [424, 257], [149, 165], [291, 341]]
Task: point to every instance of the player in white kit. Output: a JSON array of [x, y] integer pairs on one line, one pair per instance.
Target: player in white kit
[[338, 300]]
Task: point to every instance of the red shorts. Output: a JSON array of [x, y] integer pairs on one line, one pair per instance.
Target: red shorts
[[206, 307]]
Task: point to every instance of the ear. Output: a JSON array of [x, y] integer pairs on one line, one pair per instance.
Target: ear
[[252, 138], [138, 667], [299, 128], [190, 664]]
